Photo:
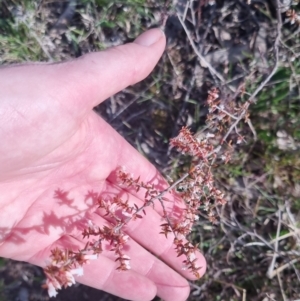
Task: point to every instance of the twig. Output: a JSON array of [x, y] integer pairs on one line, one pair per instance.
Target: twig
[[276, 53], [281, 288], [251, 234], [255, 243], [186, 10], [203, 61], [268, 78], [252, 129], [192, 13], [296, 271], [234, 287], [289, 253], [132, 101], [283, 267], [272, 264], [293, 224], [227, 113], [285, 236]]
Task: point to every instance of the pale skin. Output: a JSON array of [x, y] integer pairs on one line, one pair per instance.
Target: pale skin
[[51, 139]]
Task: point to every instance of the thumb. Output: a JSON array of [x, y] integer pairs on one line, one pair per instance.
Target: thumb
[[96, 76], [82, 83]]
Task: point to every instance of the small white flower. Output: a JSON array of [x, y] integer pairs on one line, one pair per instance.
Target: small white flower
[[210, 135], [56, 284], [184, 267], [112, 208], [70, 278], [185, 223], [51, 290], [180, 236], [78, 271], [191, 256], [90, 256], [125, 238], [53, 285], [128, 214], [91, 225], [127, 264]]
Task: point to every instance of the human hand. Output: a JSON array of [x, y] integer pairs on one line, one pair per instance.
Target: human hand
[[51, 139]]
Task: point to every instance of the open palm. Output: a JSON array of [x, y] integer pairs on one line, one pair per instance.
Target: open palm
[[55, 152]]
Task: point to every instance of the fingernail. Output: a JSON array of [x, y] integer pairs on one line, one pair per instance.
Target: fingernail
[[149, 37]]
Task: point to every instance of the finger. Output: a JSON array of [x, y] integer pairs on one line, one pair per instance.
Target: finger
[[148, 275], [96, 76], [102, 274], [170, 285], [83, 83], [147, 232]]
